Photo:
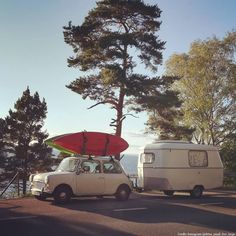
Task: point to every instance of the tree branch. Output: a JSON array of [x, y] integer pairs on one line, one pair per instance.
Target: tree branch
[[105, 102], [128, 114]]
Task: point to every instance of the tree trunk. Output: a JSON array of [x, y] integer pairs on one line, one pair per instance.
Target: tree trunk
[[24, 183], [25, 173], [120, 117], [120, 106]]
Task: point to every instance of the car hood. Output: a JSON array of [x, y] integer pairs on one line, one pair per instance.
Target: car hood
[[42, 176]]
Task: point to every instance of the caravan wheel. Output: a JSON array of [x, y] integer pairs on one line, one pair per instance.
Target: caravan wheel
[[169, 192], [197, 192]]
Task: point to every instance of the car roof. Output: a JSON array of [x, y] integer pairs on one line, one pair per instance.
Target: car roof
[[97, 158]]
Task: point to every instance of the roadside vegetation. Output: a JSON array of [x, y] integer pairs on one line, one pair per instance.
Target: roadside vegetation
[[22, 139]]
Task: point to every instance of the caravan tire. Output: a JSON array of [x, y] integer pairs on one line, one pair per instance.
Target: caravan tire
[[169, 192], [197, 192]]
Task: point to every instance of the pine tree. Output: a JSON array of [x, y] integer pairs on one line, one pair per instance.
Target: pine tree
[[116, 37], [2, 143], [24, 135]]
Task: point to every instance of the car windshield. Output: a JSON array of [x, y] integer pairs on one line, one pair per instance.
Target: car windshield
[[68, 164]]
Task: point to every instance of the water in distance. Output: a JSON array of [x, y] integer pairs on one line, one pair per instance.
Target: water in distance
[[129, 163]]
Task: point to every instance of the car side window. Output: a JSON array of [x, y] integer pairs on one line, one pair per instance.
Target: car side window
[[111, 167], [91, 167]]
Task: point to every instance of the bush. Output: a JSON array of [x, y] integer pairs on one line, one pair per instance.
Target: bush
[[228, 155]]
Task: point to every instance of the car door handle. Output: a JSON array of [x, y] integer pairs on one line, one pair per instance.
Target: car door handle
[[101, 178]]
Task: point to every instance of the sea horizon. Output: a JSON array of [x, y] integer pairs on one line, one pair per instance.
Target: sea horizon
[[129, 163]]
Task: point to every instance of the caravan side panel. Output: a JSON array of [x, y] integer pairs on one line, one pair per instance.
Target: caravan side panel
[[180, 169]]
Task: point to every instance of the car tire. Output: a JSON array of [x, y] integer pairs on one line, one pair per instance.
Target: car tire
[[169, 192], [62, 195], [122, 193], [40, 198], [196, 192]]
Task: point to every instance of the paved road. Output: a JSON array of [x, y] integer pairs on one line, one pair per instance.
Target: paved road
[[144, 214]]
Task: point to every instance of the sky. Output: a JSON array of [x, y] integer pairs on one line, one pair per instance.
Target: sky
[[33, 53]]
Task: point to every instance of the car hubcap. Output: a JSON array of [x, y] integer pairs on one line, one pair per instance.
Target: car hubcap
[[123, 194], [62, 195]]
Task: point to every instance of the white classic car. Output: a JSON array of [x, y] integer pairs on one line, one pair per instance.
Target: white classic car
[[80, 176]]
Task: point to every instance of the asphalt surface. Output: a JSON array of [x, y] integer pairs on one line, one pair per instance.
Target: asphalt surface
[[143, 214]]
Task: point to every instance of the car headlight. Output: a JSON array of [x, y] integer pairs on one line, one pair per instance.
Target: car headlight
[[46, 180], [31, 178]]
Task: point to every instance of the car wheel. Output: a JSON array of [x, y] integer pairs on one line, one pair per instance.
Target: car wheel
[[122, 193], [40, 198], [197, 192], [169, 192], [62, 195]]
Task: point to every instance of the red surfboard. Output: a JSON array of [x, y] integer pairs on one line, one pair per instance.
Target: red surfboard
[[91, 143]]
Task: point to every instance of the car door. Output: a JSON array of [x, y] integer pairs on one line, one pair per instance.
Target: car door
[[113, 176], [90, 180]]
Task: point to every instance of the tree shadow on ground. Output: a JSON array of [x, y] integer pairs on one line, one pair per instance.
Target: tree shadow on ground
[[161, 209], [23, 224]]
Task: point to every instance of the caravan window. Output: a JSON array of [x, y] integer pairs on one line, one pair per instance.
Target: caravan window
[[147, 158], [198, 158]]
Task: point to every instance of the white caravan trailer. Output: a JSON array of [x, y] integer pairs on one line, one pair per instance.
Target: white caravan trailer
[[172, 166]]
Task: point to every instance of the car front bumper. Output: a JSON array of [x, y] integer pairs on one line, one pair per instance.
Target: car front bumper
[[40, 189]]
